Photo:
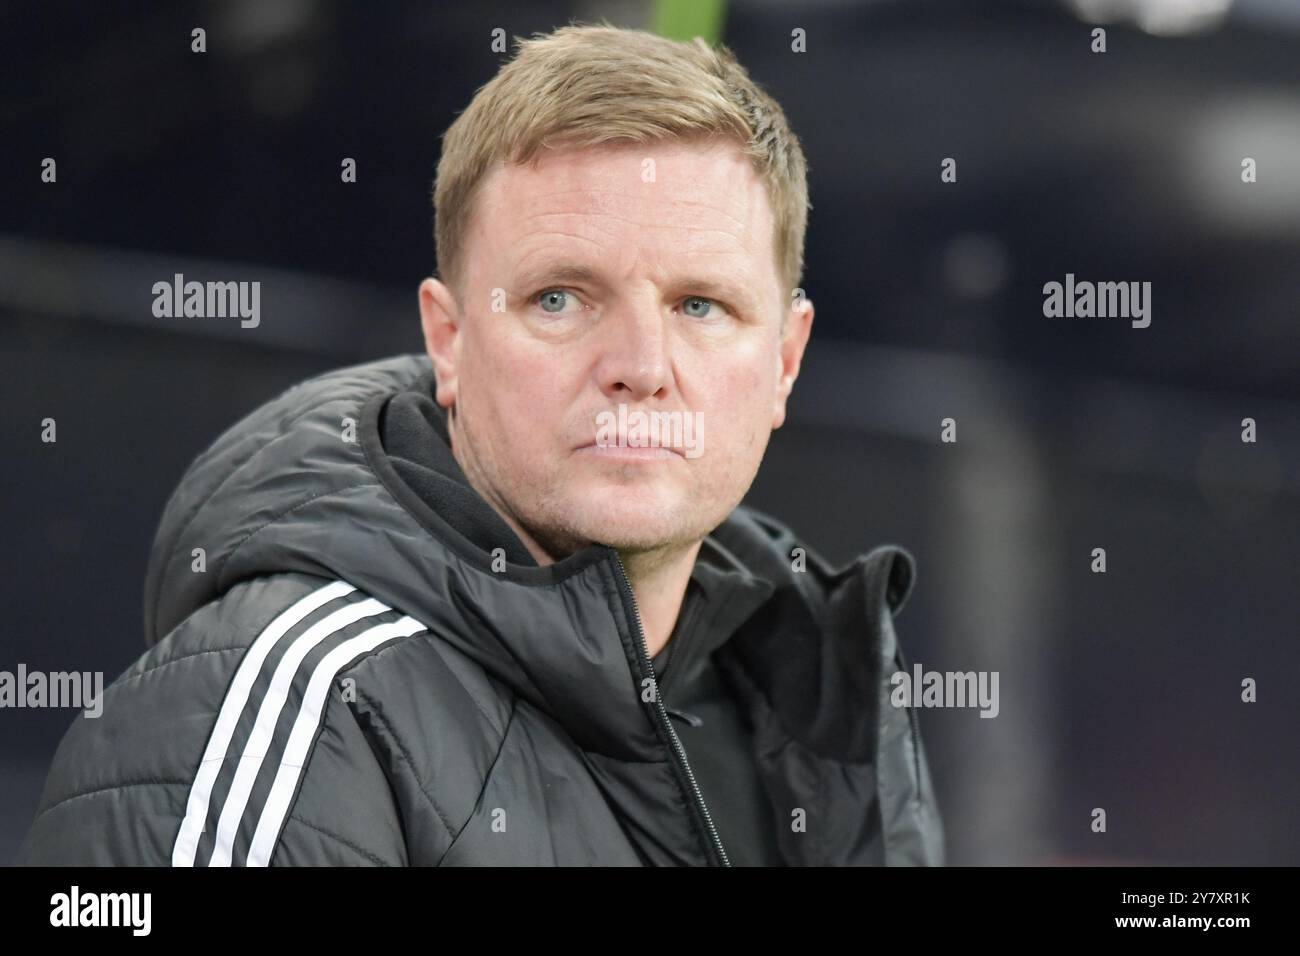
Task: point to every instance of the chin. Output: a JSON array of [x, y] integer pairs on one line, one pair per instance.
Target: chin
[[600, 497], [631, 527]]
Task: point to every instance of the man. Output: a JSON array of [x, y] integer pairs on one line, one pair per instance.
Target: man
[[466, 608]]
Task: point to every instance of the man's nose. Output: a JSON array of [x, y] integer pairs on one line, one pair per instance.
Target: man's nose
[[635, 361]]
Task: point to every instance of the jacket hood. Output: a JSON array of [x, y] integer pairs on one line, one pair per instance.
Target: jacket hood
[[305, 484]]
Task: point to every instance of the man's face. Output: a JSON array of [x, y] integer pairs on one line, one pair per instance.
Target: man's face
[[634, 275]]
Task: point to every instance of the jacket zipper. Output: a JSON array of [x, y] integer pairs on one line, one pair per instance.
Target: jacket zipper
[[661, 712]]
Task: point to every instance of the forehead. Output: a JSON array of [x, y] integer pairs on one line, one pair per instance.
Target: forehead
[[661, 205]]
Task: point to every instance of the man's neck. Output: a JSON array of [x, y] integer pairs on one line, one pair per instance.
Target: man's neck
[[658, 578], [659, 581]]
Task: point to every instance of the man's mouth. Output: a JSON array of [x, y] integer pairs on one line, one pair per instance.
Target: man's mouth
[[635, 434], [623, 452]]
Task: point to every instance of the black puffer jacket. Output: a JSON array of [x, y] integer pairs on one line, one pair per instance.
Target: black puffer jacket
[[342, 676]]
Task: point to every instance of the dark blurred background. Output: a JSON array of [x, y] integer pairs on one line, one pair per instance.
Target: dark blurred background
[[1119, 690]]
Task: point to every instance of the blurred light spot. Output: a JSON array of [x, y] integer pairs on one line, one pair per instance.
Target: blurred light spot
[[282, 86], [1239, 480], [1159, 17], [1265, 127], [976, 265], [249, 25]]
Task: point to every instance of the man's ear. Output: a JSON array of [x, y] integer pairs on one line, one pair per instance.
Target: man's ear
[[440, 319], [794, 338]]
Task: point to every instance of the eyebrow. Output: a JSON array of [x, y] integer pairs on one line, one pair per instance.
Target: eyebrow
[[711, 288], [560, 273]]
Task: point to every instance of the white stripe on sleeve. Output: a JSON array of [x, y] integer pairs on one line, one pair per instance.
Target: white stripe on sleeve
[[196, 808], [305, 727], [277, 694]]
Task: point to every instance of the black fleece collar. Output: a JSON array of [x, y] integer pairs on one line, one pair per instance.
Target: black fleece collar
[[413, 429]]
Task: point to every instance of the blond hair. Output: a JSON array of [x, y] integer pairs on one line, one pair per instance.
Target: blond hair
[[585, 85]]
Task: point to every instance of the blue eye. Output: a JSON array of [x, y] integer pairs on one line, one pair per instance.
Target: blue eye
[[696, 300], [553, 300]]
